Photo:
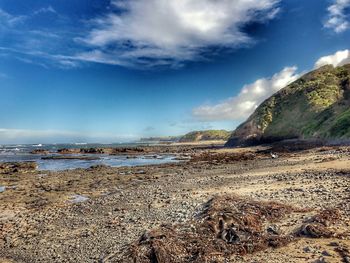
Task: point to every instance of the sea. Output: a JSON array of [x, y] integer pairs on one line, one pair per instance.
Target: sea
[[21, 153]]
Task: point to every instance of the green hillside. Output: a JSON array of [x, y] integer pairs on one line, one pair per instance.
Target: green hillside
[[315, 106], [209, 135]]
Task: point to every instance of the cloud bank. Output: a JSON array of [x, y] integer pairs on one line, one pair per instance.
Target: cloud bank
[[162, 32], [252, 95], [249, 98], [338, 16], [339, 58]]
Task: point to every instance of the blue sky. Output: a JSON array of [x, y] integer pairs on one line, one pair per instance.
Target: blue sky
[[109, 71]]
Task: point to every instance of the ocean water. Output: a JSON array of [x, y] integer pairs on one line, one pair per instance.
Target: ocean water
[[21, 153]]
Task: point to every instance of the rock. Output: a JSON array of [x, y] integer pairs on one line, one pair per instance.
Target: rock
[[326, 253], [40, 151], [14, 167], [334, 244], [307, 249], [273, 229]]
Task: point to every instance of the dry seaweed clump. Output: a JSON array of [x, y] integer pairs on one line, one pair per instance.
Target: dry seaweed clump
[[318, 225], [228, 226], [216, 158]]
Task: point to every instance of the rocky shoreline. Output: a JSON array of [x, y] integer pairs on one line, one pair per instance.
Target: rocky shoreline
[[138, 150], [158, 213]]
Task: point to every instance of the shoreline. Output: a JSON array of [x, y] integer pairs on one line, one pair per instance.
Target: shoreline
[[125, 202]]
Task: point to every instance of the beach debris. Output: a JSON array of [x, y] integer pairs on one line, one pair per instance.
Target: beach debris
[[2, 189], [317, 226], [344, 253], [216, 158], [274, 155], [228, 226], [315, 230], [78, 199]]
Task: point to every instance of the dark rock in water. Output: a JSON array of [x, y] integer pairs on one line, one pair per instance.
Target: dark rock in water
[[316, 106], [70, 157], [68, 151], [112, 151], [93, 151], [15, 167], [40, 151]]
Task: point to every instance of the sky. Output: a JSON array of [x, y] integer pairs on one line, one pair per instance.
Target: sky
[[117, 70]]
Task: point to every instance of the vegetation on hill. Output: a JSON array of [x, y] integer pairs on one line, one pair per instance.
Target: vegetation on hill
[[161, 139], [209, 135], [315, 106]]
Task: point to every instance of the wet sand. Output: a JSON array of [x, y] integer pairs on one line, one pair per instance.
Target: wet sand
[[93, 215]]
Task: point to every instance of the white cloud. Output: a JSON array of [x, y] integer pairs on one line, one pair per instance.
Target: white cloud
[[251, 95], [249, 98], [338, 19], [337, 59], [8, 20], [48, 9], [168, 32]]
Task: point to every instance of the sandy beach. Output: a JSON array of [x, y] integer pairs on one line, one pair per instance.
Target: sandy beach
[[98, 214]]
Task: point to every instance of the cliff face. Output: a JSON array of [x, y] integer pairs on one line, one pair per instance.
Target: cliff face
[[315, 106]]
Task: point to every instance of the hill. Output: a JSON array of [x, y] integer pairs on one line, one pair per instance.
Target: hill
[[161, 139], [316, 106], [209, 135]]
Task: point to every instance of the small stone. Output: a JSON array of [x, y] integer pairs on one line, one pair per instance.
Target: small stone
[[273, 229], [307, 249], [325, 253], [334, 244]]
